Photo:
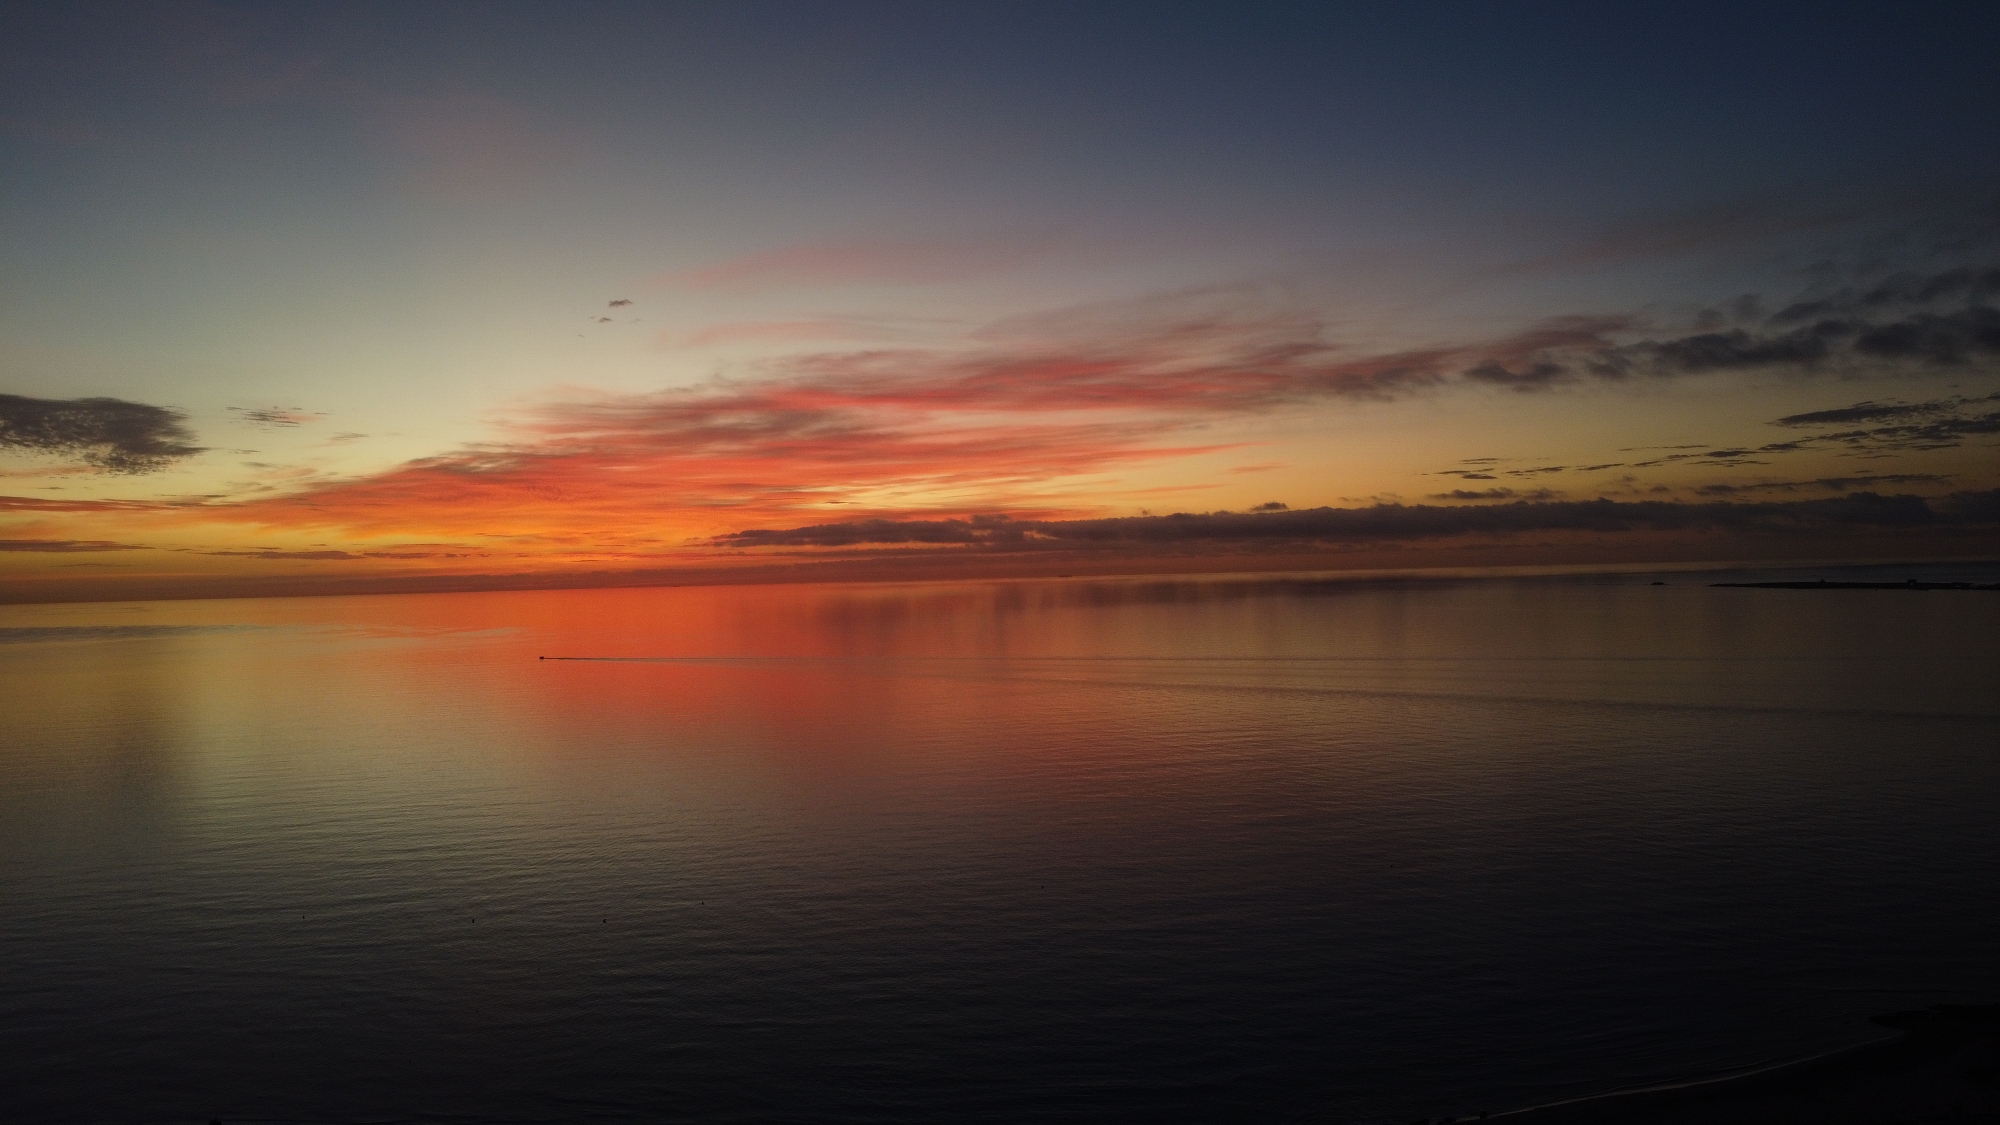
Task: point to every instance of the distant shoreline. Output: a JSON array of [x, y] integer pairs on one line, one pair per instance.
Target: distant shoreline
[[1823, 584]]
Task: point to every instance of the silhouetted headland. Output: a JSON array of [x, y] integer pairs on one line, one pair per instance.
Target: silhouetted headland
[[1823, 584]]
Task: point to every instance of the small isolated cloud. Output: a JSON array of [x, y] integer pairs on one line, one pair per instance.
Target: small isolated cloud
[[276, 417], [620, 303], [601, 319], [1272, 506], [110, 433], [66, 546], [1472, 494]]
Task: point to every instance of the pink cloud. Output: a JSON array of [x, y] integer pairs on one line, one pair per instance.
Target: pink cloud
[[1008, 423], [888, 429]]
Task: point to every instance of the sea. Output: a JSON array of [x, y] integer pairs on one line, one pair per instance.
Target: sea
[[1236, 848]]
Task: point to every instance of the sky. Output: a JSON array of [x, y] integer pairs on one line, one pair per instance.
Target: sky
[[315, 298]]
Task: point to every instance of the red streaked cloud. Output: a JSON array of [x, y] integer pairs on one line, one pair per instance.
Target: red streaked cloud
[[1011, 423], [1058, 420]]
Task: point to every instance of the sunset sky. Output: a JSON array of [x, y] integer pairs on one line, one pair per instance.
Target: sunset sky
[[316, 297]]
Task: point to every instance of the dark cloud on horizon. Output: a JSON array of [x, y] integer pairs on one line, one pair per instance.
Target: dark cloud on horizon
[[1897, 321], [67, 546], [1899, 290], [1944, 340], [1395, 522], [1938, 424], [1859, 412], [114, 435], [1914, 426], [1727, 351], [1830, 484]]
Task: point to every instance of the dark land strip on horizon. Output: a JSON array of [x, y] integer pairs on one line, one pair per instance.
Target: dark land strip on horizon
[[1823, 584]]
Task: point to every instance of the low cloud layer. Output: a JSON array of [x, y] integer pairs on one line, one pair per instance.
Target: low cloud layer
[[1937, 424], [1940, 320], [110, 433], [65, 546], [1396, 522]]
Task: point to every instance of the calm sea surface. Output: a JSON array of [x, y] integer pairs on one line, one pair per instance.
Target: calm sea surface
[[1138, 850]]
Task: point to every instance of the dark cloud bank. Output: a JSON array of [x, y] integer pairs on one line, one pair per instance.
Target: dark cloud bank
[[1931, 320], [65, 546], [115, 435], [1859, 511]]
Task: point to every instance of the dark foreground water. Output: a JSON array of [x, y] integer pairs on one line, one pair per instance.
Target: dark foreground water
[[1055, 851]]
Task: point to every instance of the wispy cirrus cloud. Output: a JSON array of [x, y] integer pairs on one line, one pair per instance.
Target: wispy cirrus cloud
[[857, 262], [827, 328], [467, 144], [1688, 231]]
